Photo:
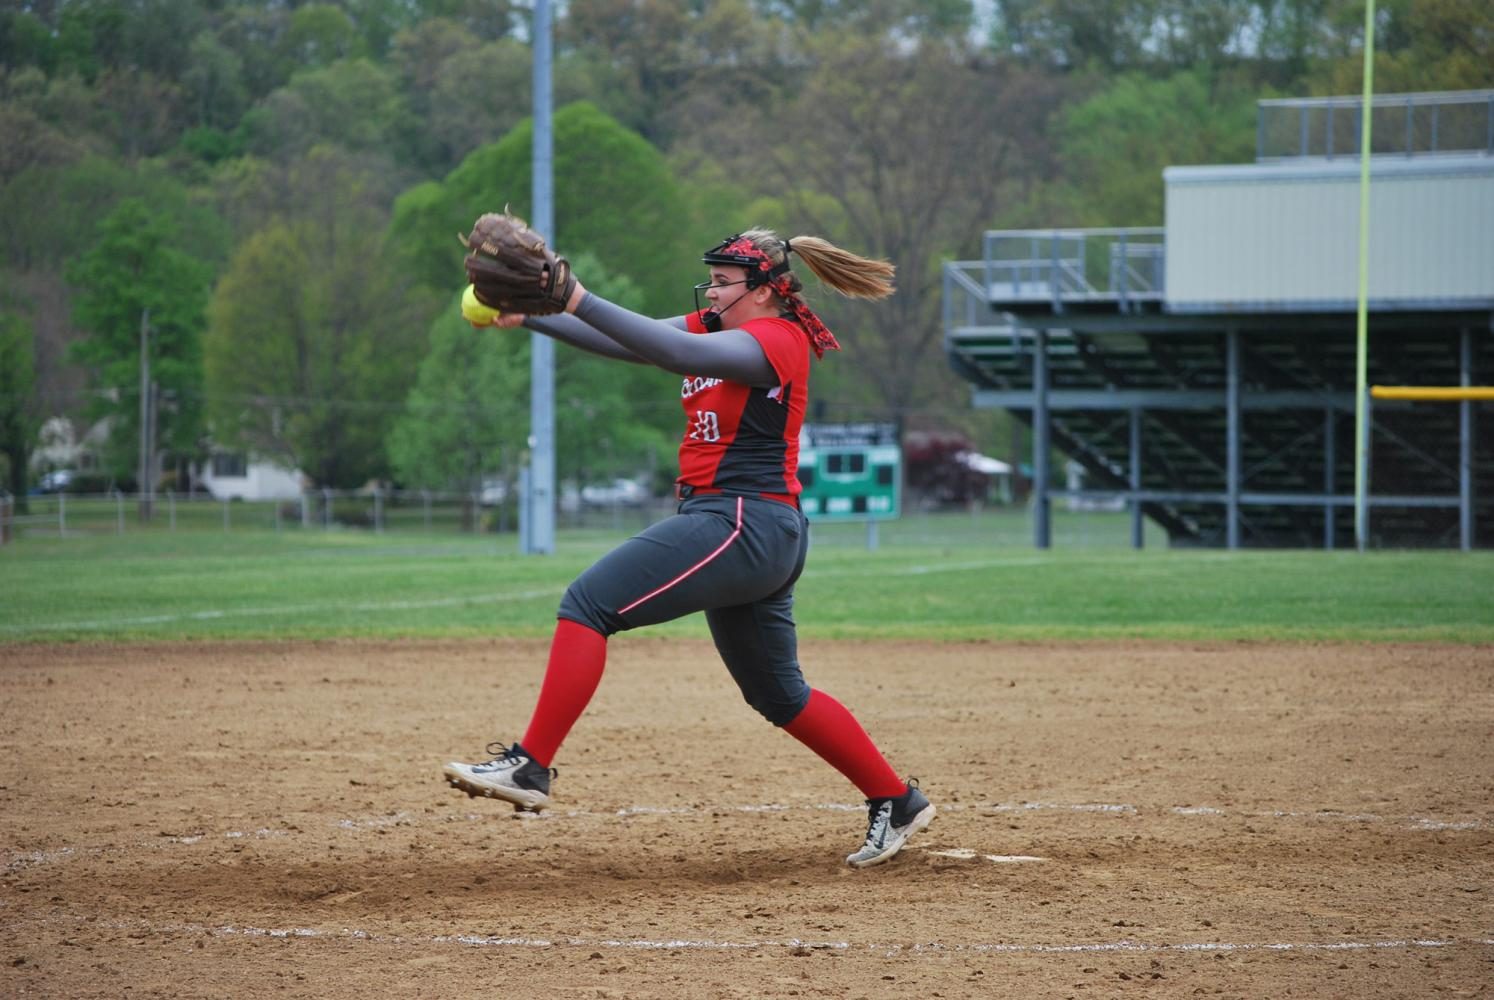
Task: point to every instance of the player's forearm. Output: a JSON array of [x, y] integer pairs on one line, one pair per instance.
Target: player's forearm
[[733, 355], [577, 333]]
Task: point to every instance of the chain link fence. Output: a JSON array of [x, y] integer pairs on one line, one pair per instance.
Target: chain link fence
[[66, 514], [975, 526]]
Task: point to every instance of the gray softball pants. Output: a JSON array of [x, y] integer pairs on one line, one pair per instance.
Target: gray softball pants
[[734, 557]]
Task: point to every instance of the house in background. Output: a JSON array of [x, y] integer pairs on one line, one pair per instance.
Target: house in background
[[60, 447], [228, 475], [62, 456]]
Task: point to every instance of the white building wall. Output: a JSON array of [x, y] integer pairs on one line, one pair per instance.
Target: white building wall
[[1285, 236], [261, 481]]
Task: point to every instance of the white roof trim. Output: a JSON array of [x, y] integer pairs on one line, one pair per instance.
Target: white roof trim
[[1338, 168]]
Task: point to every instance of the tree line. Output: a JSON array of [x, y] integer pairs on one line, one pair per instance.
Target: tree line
[[273, 188]]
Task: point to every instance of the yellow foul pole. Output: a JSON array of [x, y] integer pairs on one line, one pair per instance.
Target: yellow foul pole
[[1361, 432], [1433, 393]]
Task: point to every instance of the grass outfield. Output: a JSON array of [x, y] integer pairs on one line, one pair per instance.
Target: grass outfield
[[946, 577]]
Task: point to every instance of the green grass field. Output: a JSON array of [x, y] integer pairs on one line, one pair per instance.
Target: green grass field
[[952, 576]]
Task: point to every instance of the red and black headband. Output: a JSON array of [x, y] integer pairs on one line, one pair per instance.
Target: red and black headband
[[737, 251]]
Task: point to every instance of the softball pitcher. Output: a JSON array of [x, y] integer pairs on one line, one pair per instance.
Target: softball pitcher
[[738, 542]]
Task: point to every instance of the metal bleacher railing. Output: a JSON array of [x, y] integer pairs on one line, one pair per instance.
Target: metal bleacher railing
[[1119, 268], [1440, 122]]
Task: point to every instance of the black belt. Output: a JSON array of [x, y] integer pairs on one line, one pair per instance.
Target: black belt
[[684, 491]]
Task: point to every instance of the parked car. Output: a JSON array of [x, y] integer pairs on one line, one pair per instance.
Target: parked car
[[617, 493], [56, 481], [493, 492]]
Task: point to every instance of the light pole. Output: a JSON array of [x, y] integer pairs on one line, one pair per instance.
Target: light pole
[[144, 486], [1361, 327], [538, 536]]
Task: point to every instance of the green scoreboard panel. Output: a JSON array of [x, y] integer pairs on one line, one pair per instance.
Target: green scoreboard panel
[[851, 472]]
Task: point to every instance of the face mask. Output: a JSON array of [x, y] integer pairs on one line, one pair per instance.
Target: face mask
[[712, 319]]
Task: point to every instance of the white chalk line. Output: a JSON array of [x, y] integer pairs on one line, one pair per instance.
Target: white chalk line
[[1004, 561], [289, 610], [17, 861], [298, 610], [1124, 945]]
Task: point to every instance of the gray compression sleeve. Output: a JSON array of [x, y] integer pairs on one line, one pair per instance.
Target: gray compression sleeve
[[734, 355], [569, 330], [578, 333]]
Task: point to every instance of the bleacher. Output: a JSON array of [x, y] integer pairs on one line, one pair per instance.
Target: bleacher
[[1137, 329]]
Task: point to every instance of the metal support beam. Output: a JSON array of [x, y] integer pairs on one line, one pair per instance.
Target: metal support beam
[[1465, 443], [1055, 291], [1445, 502], [145, 487], [1160, 399], [1042, 533], [1232, 438], [1135, 479], [1363, 499], [1330, 459]]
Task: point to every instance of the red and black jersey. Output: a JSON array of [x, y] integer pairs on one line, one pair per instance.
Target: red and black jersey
[[744, 439]]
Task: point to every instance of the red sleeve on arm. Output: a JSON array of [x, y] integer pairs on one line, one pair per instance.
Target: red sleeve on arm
[[784, 345]]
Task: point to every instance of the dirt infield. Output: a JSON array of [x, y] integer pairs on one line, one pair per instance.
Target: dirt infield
[[1229, 820]]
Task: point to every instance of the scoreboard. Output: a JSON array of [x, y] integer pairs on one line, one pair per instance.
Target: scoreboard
[[850, 472]]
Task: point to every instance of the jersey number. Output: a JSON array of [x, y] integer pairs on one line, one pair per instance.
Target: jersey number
[[704, 426]]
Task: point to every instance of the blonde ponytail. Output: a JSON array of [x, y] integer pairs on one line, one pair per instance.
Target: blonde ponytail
[[849, 274]]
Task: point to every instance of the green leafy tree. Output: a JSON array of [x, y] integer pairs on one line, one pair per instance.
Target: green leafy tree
[[462, 113], [83, 33], [143, 112], [18, 418], [50, 215], [53, 121], [33, 142], [378, 21], [467, 416], [926, 19], [645, 60], [256, 34], [137, 272], [418, 56], [1419, 46], [612, 418], [925, 149], [321, 34], [214, 83], [1116, 143], [614, 198], [1077, 34], [158, 34], [27, 40], [482, 19], [314, 334], [352, 103]]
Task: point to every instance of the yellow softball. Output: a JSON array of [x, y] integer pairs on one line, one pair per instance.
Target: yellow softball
[[475, 312]]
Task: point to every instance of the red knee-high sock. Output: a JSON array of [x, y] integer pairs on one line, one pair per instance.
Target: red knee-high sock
[[829, 729], [577, 656]]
